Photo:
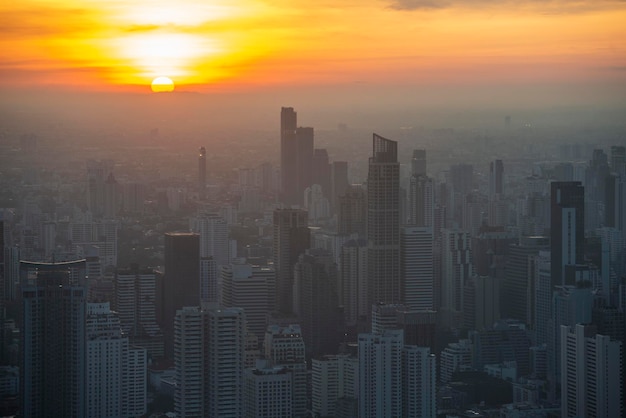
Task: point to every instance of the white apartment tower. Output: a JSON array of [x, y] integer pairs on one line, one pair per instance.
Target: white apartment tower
[[591, 373]]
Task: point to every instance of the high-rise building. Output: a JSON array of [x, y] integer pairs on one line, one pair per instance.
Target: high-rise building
[[380, 374], [288, 153], [291, 238], [618, 159], [321, 170], [496, 178], [567, 228], [352, 211], [338, 182], [135, 303], [518, 283], [202, 171], [418, 163], [481, 302], [316, 302], [591, 373], [53, 371], [209, 353], [456, 268], [421, 201], [267, 392], [417, 267], [249, 287], [334, 377], [419, 382], [181, 284], [353, 275], [383, 223], [116, 380], [284, 348], [213, 235]]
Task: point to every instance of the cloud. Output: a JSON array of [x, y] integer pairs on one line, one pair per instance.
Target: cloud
[[549, 6]]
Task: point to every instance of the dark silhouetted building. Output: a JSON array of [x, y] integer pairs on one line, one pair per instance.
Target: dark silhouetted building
[[383, 222], [202, 171], [567, 227]]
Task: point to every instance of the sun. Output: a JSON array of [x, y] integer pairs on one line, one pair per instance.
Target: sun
[[162, 85]]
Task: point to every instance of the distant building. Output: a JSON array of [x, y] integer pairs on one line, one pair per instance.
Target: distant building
[[267, 392]]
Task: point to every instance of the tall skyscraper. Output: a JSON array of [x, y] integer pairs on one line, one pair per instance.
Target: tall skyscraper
[[321, 170], [421, 201], [496, 178], [213, 235], [296, 157], [419, 382], [591, 373], [418, 163], [53, 370], [417, 267], [456, 268], [202, 171], [316, 302], [181, 284], [291, 238], [567, 228], [352, 211], [383, 222], [339, 182], [353, 275]]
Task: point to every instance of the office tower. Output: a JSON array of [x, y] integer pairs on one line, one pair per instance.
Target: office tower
[[181, 284], [267, 392], [353, 276], [496, 178], [213, 235], [418, 163], [462, 182], [291, 238], [209, 281], [335, 377], [490, 251], [202, 171], [53, 371], [456, 268], [416, 258], [135, 382], [420, 327], [249, 287], [518, 284], [383, 223], [591, 373], [338, 182], [304, 159], [209, 358], [284, 347], [421, 201], [288, 153], [419, 382], [481, 302], [567, 228], [507, 341], [352, 211], [595, 189], [380, 374], [321, 170], [316, 302], [135, 303]]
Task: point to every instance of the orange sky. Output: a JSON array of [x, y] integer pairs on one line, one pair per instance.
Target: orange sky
[[205, 45]]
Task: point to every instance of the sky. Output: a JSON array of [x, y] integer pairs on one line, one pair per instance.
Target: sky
[[370, 46]]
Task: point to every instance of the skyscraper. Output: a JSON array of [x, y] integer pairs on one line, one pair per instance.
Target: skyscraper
[[383, 222], [352, 211], [202, 171], [418, 163], [53, 372], [353, 275], [496, 176], [181, 284], [567, 228], [288, 152], [291, 238], [417, 267]]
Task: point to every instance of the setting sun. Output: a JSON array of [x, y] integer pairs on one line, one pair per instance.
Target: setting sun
[[162, 85]]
